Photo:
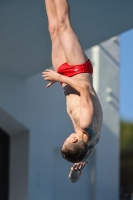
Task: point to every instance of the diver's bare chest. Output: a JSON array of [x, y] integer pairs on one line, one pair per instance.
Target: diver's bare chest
[[72, 103], [72, 98], [73, 108]]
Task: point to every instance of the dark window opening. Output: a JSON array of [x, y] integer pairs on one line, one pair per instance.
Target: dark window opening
[[4, 165]]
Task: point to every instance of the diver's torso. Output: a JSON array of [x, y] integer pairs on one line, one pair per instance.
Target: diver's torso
[[73, 107]]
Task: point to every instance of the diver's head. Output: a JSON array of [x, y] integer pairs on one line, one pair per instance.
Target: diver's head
[[74, 148]]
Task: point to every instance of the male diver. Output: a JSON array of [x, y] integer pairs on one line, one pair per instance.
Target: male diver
[[74, 71]]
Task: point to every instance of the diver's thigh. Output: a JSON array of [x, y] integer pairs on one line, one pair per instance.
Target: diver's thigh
[[72, 48]]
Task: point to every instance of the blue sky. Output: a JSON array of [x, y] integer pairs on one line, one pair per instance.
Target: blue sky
[[126, 75]]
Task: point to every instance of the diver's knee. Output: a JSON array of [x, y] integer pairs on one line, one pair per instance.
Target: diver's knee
[[63, 19], [53, 28]]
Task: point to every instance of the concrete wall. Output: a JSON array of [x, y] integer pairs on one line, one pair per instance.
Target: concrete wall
[[105, 58], [13, 97]]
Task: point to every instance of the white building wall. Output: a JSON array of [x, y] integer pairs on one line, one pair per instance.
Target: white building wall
[[105, 58]]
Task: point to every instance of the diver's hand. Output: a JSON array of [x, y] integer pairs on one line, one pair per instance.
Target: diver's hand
[[76, 171], [50, 83], [50, 75]]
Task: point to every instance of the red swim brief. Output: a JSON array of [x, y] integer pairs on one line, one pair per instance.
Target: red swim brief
[[71, 70]]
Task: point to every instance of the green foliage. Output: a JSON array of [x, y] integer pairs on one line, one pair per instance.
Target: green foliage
[[126, 134], [126, 162]]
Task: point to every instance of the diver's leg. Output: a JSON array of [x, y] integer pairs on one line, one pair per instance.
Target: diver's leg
[[58, 56], [71, 45]]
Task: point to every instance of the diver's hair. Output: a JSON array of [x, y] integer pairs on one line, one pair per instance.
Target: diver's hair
[[75, 152]]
